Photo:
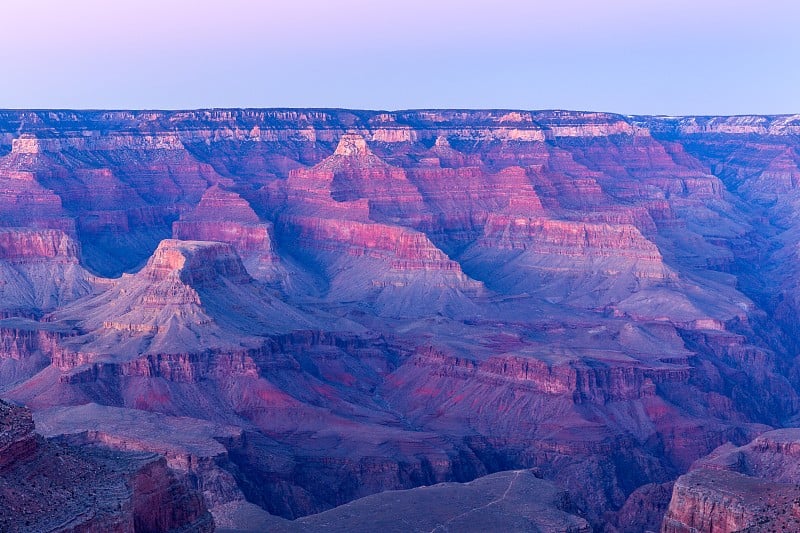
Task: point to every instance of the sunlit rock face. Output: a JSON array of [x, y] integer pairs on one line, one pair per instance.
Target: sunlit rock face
[[301, 308]]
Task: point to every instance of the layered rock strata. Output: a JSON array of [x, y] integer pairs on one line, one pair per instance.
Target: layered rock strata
[[224, 216], [378, 300], [755, 487]]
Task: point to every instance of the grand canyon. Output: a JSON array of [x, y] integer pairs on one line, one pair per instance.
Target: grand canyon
[[429, 320]]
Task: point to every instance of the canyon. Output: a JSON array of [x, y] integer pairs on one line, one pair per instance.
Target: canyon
[[304, 318]]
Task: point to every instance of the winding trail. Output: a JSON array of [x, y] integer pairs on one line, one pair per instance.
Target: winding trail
[[443, 527]]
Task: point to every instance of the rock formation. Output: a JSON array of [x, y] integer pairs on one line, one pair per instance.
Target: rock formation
[[47, 486], [755, 487], [225, 216], [300, 308], [343, 213], [178, 303], [40, 271]]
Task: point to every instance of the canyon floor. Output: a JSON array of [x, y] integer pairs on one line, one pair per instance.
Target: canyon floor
[[297, 319]]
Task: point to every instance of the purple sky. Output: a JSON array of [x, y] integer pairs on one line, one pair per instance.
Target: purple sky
[[627, 56]]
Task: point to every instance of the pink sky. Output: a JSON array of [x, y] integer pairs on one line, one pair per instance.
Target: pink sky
[[677, 57]]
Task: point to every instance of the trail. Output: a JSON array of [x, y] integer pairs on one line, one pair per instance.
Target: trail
[[443, 527]]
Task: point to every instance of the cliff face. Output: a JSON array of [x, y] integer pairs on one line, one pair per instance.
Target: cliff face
[[345, 302], [47, 486], [225, 216], [40, 271], [749, 488]]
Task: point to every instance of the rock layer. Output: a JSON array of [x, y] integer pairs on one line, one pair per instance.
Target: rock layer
[[39, 271], [755, 487], [224, 216]]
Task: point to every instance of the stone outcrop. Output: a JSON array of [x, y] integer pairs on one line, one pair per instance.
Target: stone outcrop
[[723, 502], [190, 446], [755, 487], [39, 271], [531, 254], [177, 304], [354, 172], [47, 486]]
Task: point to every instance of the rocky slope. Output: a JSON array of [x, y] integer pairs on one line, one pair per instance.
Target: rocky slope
[[178, 303], [508, 501], [321, 305], [755, 487], [343, 217], [40, 271], [47, 486]]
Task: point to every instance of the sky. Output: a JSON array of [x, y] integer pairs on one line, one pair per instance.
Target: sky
[[675, 57]]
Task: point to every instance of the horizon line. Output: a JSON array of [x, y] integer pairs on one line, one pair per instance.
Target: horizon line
[[402, 110]]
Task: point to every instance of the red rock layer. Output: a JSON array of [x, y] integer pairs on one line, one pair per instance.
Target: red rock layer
[[723, 502], [564, 238], [749, 488], [24, 202], [354, 172], [463, 198], [225, 216], [402, 248], [194, 263], [23, 244]]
